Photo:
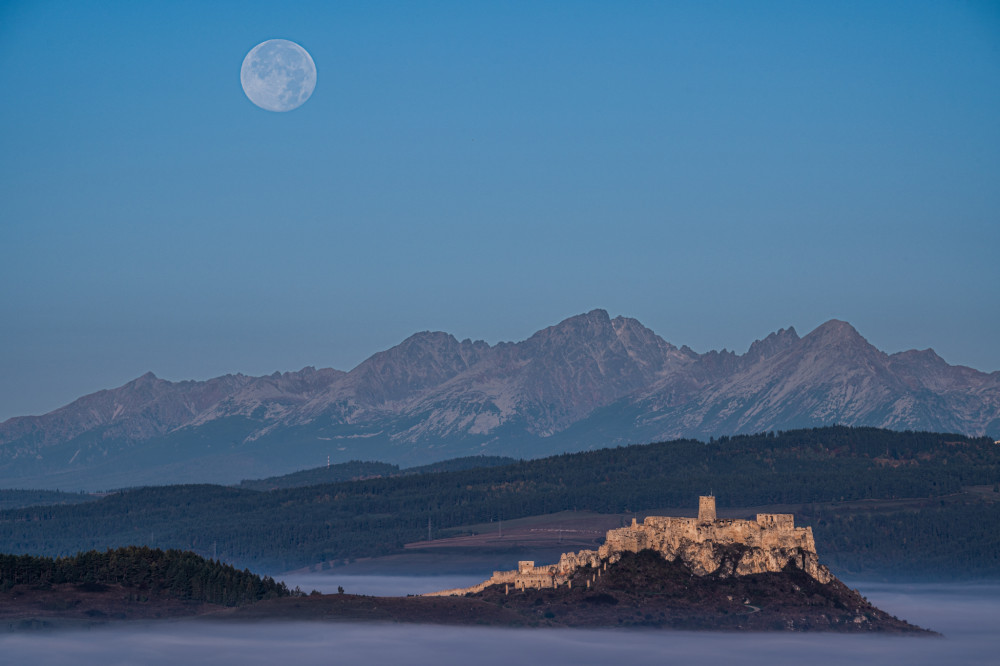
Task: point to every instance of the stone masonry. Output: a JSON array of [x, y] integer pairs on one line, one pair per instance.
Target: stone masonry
[[706, 544]]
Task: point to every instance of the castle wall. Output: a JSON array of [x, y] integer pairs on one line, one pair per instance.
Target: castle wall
[[783, 520], [767, 544], [570, 562]]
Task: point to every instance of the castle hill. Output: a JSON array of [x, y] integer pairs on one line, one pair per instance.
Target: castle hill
[[701, 573], [706, 544]]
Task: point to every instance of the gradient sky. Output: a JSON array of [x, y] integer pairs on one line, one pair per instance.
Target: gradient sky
[[716, 170]]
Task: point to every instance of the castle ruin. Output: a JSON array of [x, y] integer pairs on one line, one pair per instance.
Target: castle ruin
[[706, 544]]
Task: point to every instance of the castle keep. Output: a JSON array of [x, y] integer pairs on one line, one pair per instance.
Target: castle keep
[[706, 544]]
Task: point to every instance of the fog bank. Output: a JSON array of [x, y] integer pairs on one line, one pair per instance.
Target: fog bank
[[969, 615], [378, 586]]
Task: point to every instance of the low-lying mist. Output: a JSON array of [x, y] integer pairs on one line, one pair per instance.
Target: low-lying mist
[[969, 616], [377, 585]]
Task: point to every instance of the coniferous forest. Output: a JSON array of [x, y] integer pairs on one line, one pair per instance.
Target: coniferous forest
[[174, 573], [847, 483]]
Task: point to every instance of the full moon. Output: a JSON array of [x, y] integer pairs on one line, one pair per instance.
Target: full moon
[[278, 75]]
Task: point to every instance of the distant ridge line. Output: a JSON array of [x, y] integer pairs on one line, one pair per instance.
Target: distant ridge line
[[588, 381]]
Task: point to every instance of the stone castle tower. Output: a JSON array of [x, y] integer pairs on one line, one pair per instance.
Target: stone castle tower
[[706, 509], [705, 544]]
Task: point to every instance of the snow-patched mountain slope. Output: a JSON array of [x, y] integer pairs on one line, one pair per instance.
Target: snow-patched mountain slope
[[432, 396]]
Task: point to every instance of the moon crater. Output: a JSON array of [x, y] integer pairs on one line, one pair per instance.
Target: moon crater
[[278, 75]]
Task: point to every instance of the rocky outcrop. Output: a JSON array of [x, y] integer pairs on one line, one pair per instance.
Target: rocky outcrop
[[721, 547], [645, 590], [706, 545]]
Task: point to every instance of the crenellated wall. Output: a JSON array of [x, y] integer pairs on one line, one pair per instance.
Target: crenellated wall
[[705, 544], [768, 543]]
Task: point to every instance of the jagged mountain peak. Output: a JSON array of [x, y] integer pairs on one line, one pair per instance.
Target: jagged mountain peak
[[424, 360], [589, 380], [417, 345], [923, 369], [597, 314], [597, 327], [589, 322], [838, 339], [773, 344], [835, 329], [628, 328], [598, 338], [927, 357], [144, 381], [428, 338]]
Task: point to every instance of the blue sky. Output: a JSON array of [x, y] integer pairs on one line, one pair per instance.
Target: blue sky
[[716, 170]]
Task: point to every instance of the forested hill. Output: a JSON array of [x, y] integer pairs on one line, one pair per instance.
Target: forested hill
[[173, 573], [356, 470], [809, 469], [14, 498], [348, 471]]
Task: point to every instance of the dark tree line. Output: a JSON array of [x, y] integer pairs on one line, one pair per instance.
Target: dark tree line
[[356, 470], [15, 498], [175, 573], [942, 540]]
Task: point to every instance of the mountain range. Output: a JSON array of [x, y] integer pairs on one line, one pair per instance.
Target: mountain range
[[589, 381]]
